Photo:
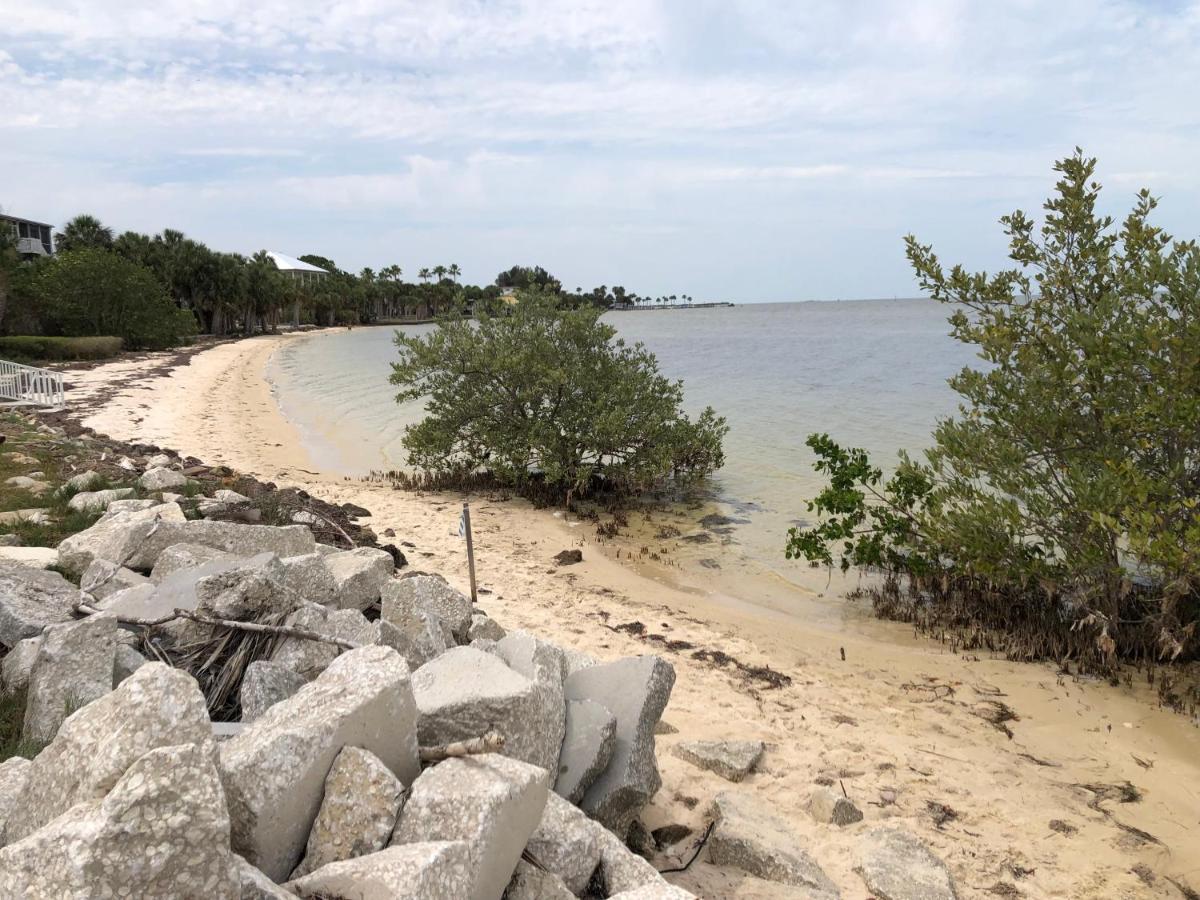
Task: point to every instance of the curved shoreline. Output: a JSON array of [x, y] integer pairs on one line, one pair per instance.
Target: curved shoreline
[[866, 719]]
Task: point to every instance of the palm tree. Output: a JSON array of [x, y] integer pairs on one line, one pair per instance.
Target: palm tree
[[454, 271], [84, 232], [440, 272], [424, 275]]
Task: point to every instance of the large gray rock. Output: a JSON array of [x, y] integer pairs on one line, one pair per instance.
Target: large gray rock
[[177, 590], [587, 748], [566, 843], [732, 760], [359, 576], [485, 628], [490, 802], [620, 868], [830, 808], [14, 776], [245, 592], [124, 506], [184, 556], [264, 684], [415, 633], [309, 578], [438, 870], [119, 538], [255, 885], [31, 599], [896, 865], [544, 665], [358, 812], [274, 771], [231, 537], [162, 831], [84, 481], [465, 693], [434, 594], [662, 891], [73, 667], [126, 661], [310, 658], [160, 479], [97, 501], [749, 837], [16, 666], [635, 690], [104, 578], [531, 883], [25, 483], [32, 557], [155, 707]]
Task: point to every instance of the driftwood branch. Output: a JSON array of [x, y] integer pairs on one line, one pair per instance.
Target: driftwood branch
[[286, 630], [489, 743]]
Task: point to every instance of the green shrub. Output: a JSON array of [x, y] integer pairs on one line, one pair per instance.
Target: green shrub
[[41, 348]]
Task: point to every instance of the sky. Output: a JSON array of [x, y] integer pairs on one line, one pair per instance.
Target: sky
[[728, 149]]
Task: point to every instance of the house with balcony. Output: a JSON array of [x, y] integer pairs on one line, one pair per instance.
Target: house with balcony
[[33, 238]]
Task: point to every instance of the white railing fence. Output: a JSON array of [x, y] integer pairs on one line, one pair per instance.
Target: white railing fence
[[26, 384]]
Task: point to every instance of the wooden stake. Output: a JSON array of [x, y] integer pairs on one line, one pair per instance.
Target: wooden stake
[[470, 549]]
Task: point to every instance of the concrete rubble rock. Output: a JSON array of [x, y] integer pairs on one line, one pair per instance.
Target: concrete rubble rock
[[16, 666], [155, 707], [159, 461], [160, 479], [10, 540], [97, 501], [30, 557], [232, 537], [73, 667], [32, 516], [126, 661], [620, 868], [566, 843], [544, 665], [531, 883], [84, 481], [162, 831], [224, 495], [31, 599], [127, 464], [484, 627], [732, 760], [264, 684], [308, 577], [358, 812], [831, 808], [104, 578], [436, 870], [184, 556], [661, 891], [490, 802], [254, 885], [414, 633], [245, 591], [14, 776], [896, 865], [433, 593], [635, 690], [359, 576], [274, 771], [25, 483], [120, 506], [465, 693], [310, 658], [750, 838], [118, 538], [588, 743]]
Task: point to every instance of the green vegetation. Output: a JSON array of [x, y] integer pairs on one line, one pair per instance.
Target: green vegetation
[[1059, 509], [547, 400], [41, 347], [12, 723]]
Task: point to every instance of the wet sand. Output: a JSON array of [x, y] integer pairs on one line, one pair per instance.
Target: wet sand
[[864, 703]]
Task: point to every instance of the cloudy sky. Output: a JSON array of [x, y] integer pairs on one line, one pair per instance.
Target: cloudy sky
[[745, 150]]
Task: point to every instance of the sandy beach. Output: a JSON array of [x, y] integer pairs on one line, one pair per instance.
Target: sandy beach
[[900, 723]]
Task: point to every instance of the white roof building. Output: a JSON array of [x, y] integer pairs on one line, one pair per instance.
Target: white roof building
[[296, 268]]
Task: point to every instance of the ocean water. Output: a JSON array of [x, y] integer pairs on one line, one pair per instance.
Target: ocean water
[[871, 373]]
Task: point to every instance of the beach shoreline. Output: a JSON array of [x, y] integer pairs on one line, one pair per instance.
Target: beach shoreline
[[874, 708]]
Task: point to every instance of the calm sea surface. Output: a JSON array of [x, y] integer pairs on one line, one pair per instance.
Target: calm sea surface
[[872, 373]]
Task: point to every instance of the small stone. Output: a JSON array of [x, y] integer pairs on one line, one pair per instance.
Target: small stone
[[732, 760], [25, 483], [897, 866], [568, 557], [830, 808]]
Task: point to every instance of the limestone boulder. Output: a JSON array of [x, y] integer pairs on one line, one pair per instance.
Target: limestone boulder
[[661, 891], [25, 483], [31, 599], [359, 576], [531, 883], [97, 501], [436, 870], [620, 868], [484, 627], [246, 591], [118, 538], [184, 556], [157, 706], [104, 578], [162, 479], [358, 811], [126, 661], [545, 665], [415, 633], [310, 658], [434, 594], [465, 693], [308, 578], [231, 537], [14, 776], [162, 831], [566, 843], [254, 885], [274, 771], [749, 837], [159, 461], [896, 865], [635, 690], [117, 507], [73, 667], [732, 760], [490, 802], [16, 666], [84, 481], [31, 557], [264, 684], [590, 736], [224, 495]]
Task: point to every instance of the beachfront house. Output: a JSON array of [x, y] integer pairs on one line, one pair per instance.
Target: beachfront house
[[298, 270], [33, 238]]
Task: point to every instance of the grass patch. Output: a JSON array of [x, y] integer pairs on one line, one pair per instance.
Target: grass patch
[[12, 721], [37, 348]]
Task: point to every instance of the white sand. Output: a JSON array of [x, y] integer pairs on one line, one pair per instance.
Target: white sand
[[865, 720]]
